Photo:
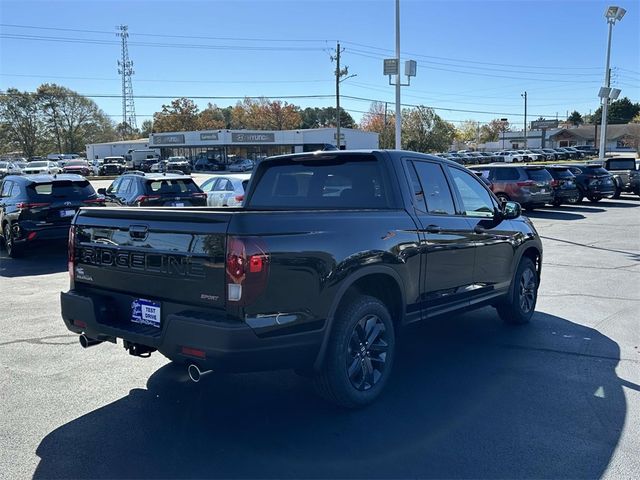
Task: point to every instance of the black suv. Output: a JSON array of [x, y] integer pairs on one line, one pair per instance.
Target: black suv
[[154, 189], [563, 185], [594, 182], [40, 207], [113, 166]]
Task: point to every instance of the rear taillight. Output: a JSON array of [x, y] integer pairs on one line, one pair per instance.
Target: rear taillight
[[93, 200], [28, 205], [528, 183], [145, 198], [239, 198], [555, 183], [199, 195], [247, 269], [71, 253]]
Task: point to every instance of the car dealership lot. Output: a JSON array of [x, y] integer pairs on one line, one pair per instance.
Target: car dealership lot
[[470, 397]]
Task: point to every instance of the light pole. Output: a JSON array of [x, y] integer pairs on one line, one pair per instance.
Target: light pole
[[524, 95], [612, 14]]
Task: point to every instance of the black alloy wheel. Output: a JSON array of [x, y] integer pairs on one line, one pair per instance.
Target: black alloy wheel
[[9, 242], [519, 306], [367, 356], [527, 290]]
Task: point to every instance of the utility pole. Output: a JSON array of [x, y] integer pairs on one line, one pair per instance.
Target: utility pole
[[525, 120], [125, 68], [398, 107], [339, 74]]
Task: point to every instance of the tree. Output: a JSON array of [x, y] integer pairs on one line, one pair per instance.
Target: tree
[[575, 118], [181, 115], [424, 131], [264, 114], [21, 122], [211, 118], [147, 128], [490, 132], [375, 120], [620, 111], [467, 131], [126, 132], [72, 120]]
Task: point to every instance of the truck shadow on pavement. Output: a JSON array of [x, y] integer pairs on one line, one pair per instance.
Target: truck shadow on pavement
[[553, 215], [470, 397], [42, 261]]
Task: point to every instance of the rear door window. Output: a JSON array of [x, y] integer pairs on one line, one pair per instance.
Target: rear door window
[[435, 189], [561, 173]]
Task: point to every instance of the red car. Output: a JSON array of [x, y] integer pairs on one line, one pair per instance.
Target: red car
[[79, 167]]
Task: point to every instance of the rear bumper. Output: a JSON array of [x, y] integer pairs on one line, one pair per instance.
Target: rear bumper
[[28, 229], [227, 346]]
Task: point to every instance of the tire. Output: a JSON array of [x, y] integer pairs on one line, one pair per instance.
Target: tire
[[556, 203], [354, 374], [12, 250], [593, 199], [617, 193], [577, 199], [520, 305], [503, 197]]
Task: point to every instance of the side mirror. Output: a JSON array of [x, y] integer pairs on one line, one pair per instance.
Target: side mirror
[[102, 191], [510, 210]]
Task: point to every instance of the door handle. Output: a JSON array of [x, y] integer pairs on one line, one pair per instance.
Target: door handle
[[433, 229], [479, 229]]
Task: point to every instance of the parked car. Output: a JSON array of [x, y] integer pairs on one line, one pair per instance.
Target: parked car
[[530, 186], [9, 168], [179, 163], [40, 207], [634, 181], [510, 157], [565, 188], [226, 190], [242, 165], [594, 182], [113, 166], [137, 189], [96, 164], [620, 168], [21, 164], [81, 167], [588, 150], [45, 166], [578, 153], [487, 157], [543, 155], [533, 156], [571, 154], [303, 278], [561, 154]]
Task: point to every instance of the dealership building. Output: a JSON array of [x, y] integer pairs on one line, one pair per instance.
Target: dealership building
[[224, 144]]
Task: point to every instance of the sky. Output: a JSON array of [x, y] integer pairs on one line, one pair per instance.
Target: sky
[[475, 58]]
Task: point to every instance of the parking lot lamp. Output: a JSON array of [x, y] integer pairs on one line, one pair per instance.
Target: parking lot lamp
[[612, 14]]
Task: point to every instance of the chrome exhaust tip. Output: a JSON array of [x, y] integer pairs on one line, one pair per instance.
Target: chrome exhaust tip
[[195, 374], [87, 342]]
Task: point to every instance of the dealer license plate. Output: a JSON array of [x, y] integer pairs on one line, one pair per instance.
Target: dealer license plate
[[67, 213], [145, 312]]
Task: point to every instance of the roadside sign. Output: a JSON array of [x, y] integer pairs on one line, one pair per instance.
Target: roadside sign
[[391, 66]]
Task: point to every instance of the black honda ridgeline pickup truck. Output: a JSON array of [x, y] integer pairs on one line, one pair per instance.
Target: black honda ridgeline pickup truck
[[330, 255]]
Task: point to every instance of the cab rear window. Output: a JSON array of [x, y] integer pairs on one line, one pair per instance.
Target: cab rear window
[[352, 182], [59, 190], [622, 164]]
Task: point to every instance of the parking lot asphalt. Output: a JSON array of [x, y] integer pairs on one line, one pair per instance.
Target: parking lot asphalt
[[470, 396]]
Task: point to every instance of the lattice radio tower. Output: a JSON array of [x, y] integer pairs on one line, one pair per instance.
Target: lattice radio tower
[[125, 69]]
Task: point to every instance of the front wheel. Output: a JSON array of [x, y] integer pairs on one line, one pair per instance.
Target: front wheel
[[520, 305], [359, 355]]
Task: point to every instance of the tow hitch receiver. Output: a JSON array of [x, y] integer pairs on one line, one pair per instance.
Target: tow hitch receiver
[[138, 350]]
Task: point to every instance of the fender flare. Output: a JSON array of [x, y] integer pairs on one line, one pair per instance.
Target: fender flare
[[342, 290]]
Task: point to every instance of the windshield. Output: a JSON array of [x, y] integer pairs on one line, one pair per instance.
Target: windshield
[[38, 164], [560, 173], [113, 160], [77, 163], [538, 174]]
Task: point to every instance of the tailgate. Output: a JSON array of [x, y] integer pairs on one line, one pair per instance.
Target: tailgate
[[170, 254]]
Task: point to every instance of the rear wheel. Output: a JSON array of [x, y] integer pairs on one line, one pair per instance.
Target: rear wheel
[[359, 355], [503, 197], [520, 305], [9, 243]]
